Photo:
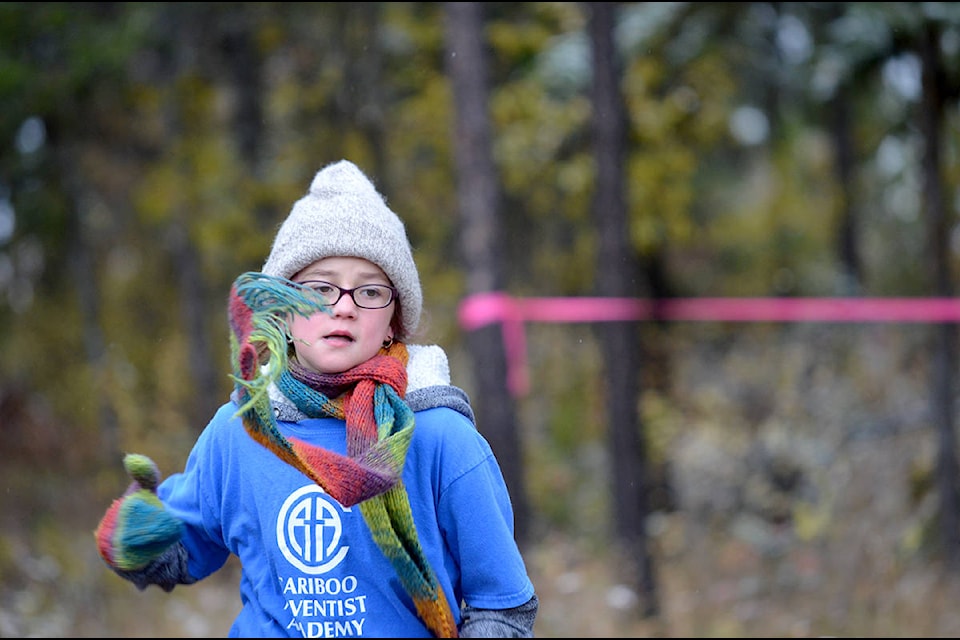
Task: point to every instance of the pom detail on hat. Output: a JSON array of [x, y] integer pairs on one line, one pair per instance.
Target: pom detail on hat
[[343, 215]]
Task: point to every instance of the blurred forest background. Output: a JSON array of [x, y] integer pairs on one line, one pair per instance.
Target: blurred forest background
[[671, 478]]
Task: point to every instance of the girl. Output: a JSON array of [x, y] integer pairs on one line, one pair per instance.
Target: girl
[[345, 472]]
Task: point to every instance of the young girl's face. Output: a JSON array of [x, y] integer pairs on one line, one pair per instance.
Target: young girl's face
[[351, 335]]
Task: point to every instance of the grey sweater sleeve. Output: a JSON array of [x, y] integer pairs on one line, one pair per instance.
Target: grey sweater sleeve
[[516, 622], [167, 571], [441, 395]]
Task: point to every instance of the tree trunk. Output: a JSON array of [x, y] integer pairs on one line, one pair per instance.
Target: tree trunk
[[243, 68], [84, 276], [481, 242], [617, 272], [194, 316], [192, 288], [850, 264], [944, 350]]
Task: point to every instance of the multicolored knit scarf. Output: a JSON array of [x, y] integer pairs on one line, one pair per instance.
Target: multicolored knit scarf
[[369, 398]]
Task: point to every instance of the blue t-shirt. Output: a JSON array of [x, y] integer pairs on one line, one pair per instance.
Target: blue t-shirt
[[310, 566]]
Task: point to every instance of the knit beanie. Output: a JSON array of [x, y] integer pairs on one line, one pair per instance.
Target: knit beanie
[[343, 215]]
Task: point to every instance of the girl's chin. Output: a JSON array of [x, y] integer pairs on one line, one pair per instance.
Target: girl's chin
[[335, 363]]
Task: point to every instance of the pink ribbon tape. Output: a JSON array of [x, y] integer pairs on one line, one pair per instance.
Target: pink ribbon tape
[[482, 309]]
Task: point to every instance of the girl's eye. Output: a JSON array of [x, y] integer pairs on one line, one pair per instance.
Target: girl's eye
[[371, 293]]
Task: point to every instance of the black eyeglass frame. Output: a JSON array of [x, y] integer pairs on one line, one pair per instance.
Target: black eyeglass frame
[[311, 285]]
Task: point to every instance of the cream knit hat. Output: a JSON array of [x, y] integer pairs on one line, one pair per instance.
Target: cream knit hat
[[344, 215]]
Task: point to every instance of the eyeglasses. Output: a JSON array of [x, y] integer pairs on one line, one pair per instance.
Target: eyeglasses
[[366, 296]]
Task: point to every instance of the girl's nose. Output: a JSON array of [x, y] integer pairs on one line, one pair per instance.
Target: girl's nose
[[345, 306]]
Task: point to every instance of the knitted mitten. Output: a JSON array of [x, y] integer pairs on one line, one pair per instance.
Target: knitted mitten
[[137, 528]]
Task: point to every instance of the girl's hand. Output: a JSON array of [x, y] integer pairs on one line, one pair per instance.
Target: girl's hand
[[137, 528]]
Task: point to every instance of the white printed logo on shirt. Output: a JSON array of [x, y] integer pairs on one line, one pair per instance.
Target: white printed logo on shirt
[[309, 530]]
